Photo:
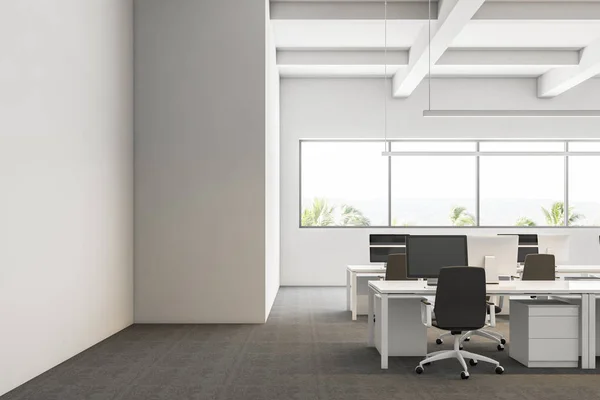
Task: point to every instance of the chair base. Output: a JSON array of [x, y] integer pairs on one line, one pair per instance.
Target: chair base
[[460, 355], [488, 334]]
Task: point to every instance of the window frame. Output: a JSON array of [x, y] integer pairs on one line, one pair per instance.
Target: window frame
[[386, 146]]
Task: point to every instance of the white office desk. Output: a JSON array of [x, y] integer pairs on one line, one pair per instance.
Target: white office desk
[[585, 290], [572, 269], [352, 274]]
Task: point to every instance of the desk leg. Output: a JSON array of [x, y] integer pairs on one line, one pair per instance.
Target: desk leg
[[348, 290], [585, 331], [384, 331], [354, 296], [371, 319], [592, 330]]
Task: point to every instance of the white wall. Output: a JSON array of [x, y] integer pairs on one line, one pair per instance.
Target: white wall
[[353, 108], [200, 190], [66, 158], [272, 170]]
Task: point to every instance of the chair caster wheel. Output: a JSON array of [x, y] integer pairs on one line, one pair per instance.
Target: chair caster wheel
[[461, 347], [500, 347], [503, 341], [439, 341], [467, 339], [464, 375], [472, 362], [419, 370], [499, 370]]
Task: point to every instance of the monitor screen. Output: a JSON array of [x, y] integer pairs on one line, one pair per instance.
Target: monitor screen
[[523, 239], [380, 254], [377, 239], [427, 254], [523, 251]]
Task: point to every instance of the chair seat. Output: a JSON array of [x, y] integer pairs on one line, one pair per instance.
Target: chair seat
[[454, 328]]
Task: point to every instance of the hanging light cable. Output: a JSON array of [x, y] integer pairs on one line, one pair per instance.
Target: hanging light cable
[[429, 53], [385, 143]]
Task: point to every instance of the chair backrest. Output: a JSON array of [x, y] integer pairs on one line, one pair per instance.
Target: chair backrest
[[539, 267], [460, 300], [396, 268]]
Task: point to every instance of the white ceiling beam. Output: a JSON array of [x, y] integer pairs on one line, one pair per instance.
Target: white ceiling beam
[[509, 57], [529, 10], [331, 10], [364, 57], [559, 80], [496, 57], [575, 10], [453, 16]]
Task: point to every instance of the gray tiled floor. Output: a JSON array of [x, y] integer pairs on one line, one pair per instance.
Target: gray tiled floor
[[309, 349]]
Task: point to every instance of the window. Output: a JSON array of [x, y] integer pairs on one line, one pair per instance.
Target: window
[[449, 183], [433, 190], [521, 190], [344, 184], [579, 147], [584, 191]]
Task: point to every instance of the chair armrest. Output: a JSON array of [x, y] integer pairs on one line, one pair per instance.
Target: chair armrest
[[426, 312], [492, 310]]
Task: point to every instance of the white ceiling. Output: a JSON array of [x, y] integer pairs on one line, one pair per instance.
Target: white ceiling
[[528, 34], [376, 71], [330, 34], [337, 25]]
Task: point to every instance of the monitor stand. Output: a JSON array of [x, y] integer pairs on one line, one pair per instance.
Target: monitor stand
[[432, 281]]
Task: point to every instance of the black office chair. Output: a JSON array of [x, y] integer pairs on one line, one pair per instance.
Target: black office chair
[[539, 267], [396, 268], [497, 337], [460, 306]]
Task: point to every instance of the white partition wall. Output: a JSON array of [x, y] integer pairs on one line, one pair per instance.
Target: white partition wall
[[354, 109], [201, 181], [66, 159], [272, 207]]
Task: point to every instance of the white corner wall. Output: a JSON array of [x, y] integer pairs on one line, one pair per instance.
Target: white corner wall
[[200, 161], [272, 171], [353, 108], [66, 158]]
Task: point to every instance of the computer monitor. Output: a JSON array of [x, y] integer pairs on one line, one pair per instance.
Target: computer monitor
[[380, 254], [555, 244], [500, 252], [382, 245], [427, 254], [524, 251]]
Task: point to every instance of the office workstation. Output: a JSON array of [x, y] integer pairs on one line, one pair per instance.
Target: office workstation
[[502, 255], [205, 199], [401, 333]]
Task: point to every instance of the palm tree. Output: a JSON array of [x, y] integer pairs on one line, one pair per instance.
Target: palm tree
[[404, 223], [555, 216], [460, 217], [525, 221], [351, 216], [320, 214]]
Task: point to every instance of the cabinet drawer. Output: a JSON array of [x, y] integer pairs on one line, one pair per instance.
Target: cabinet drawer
[[553, 350], [554, 328], [559, 311]]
